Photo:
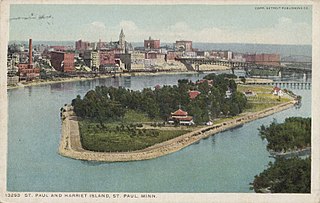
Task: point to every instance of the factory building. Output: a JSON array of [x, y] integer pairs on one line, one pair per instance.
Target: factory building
[[26, 70]]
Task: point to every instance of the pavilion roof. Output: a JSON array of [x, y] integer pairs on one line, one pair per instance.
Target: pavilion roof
[[179, 112]]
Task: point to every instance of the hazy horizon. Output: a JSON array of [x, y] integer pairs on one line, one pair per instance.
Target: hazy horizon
[[283, 50], [137, 42], [261, 24]]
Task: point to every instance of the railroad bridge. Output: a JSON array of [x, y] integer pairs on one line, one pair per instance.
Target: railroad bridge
[[192, 64], [283, 84]]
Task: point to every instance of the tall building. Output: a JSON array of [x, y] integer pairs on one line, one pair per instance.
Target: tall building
[[91, 59], [152, 43], [62, 61], [122, 41]]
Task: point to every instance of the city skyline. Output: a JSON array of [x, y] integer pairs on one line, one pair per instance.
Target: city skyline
[[212, 24]]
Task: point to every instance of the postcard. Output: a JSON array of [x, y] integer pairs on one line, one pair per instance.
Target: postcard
[[158, 101]]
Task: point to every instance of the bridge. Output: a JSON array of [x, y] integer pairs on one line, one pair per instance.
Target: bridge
[[192, 64], [283, 84]]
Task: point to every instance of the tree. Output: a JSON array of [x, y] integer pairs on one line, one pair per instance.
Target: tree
[[285, 176], [111, 104], [295, 132]]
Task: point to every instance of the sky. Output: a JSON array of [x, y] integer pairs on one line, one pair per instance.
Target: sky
[[199, 23]]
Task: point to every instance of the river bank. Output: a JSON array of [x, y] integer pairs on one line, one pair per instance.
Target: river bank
[[74, 79], [118, 74], [70, 144]]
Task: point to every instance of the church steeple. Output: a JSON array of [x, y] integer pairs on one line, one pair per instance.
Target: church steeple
[[122, 41], [121, 33]]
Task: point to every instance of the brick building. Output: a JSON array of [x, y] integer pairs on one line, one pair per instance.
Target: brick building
[[268, 59], [27, 70], [263, 59], [152, 43], [106, 57], [62, 61]]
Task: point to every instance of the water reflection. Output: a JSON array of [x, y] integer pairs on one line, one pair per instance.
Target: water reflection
[[29, 91], [92, 163], [127, 82]]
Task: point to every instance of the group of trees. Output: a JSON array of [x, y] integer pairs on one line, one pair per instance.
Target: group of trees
[[109, 103], [286, 175], [294, 133]]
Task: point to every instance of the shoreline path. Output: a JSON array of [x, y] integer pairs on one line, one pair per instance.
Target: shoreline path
[[70, 144]]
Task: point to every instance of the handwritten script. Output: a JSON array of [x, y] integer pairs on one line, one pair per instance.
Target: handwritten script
[[33, 17]]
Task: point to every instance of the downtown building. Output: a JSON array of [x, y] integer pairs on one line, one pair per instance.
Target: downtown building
[[151, 44], [62, 61], [92, 59], [263, 59]]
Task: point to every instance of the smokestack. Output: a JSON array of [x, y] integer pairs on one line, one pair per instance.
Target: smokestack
[[30, 53]]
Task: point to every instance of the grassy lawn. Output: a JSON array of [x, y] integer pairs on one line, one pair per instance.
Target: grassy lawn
[[114, 137], [264, 98], [255, 88], [132, 116], [254, 107]]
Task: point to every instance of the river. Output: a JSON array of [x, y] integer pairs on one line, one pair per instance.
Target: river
[[226, 162]]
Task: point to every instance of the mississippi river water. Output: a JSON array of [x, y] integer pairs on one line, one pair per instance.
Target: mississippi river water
[[226, 162]]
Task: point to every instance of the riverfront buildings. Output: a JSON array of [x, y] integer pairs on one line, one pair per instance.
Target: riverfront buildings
[[120, 55]]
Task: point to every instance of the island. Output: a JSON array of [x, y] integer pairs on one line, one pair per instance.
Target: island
[[117, 124], [289, 138], [290, 143]]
